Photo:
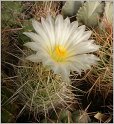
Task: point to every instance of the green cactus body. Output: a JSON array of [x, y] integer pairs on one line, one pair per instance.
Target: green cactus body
[[70, 8], [106, 22], [40, 89], [108, 12], [89, 13]]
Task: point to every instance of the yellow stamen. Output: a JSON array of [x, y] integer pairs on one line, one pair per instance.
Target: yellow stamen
[[59, 53]]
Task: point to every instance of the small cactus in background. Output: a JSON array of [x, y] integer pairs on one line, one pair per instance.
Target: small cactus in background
[[90, 13], [70, 8], [107, 16], [108, 11]]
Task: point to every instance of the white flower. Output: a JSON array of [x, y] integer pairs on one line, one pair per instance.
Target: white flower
[[61, 45]]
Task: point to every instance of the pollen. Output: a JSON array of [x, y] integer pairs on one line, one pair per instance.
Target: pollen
[[59, 53]]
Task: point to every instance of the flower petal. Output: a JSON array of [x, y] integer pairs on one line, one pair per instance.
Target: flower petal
[[74, 67], [58, 28], [33, 36], [32, 45], [86, 47], [72, 28], [65, 31], [86, 35], [49, 29], [39, 29], [83, 47], [34, 58], [52, 29], [84, 61], [63, 70], [78, 33]]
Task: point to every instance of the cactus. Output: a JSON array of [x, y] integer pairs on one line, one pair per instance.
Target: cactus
[[108, 17], [10, 12], [9, 110], [89, 14], [108, 11], [40, 89], [70, 8]]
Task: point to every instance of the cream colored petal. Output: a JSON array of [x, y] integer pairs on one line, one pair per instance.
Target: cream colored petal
[[58, 28], [56, 69], [47, 61], [77, 36], [72, 28], [33, 36], [83, 47], [38, 39], [83, 62], [74, 67], [86, 47], [63, 70], [86, 35], [89, 58], [32, 45], [78, 33], [49, 29], [33, 58], [39, 29], [65, 31], [50, 20], [74, 25]]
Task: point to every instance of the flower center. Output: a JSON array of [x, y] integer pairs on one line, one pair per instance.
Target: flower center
[[59, 53]]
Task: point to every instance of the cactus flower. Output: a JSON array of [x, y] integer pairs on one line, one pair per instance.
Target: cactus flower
[[61, 45]]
